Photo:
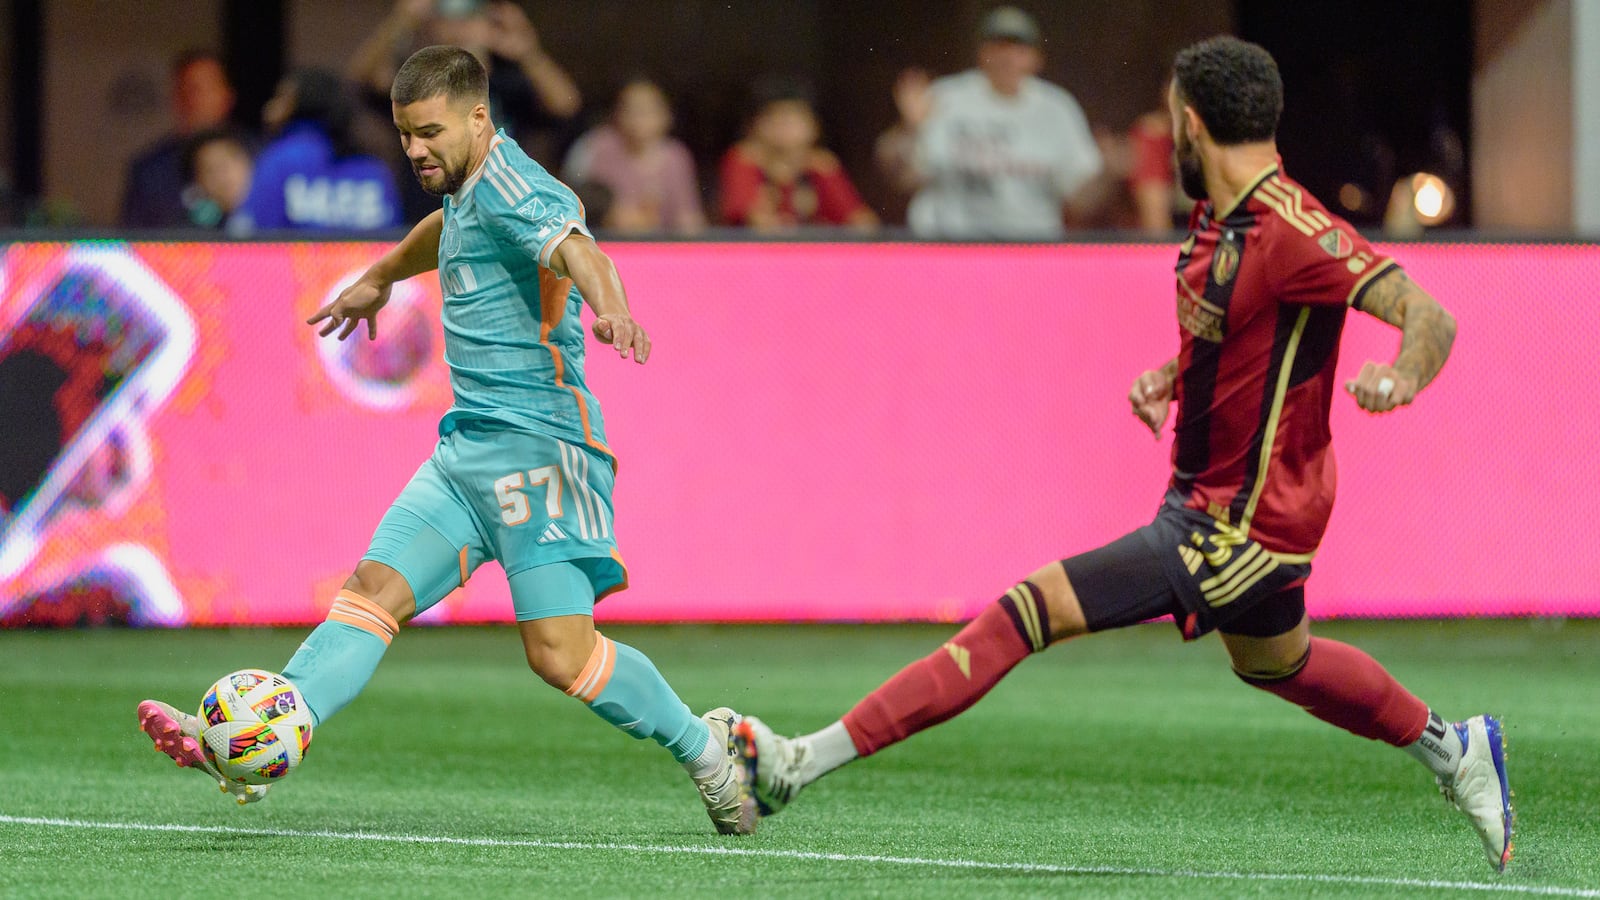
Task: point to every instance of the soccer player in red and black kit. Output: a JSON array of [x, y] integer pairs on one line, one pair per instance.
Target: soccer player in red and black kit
[[1263, 282]]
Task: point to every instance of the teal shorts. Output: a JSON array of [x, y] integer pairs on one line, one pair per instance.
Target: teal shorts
[[521, 498]]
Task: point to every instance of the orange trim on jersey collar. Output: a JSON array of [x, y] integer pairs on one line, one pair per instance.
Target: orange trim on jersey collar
[[1249, 189]]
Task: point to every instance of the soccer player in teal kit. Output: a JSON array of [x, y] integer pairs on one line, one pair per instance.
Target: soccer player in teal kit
[[521, 473]]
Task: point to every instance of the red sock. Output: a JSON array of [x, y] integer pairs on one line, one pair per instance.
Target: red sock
[[1345, 687], [955, 676]]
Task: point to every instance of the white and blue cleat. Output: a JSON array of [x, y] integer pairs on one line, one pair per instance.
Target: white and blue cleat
[[1480, 788]]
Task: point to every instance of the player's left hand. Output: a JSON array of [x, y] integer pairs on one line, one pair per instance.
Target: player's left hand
[[622, 332], [357, 303], [1381, 388]]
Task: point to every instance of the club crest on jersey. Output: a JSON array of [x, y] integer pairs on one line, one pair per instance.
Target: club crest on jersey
[[1337, 243], [452, 239], [1224, 263]]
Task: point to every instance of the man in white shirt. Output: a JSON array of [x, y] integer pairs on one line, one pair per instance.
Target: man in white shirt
[[993, 152]]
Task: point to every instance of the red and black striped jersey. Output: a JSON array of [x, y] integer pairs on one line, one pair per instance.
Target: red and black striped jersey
[[1262, 291]]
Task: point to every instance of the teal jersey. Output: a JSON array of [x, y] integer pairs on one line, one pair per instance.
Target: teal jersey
[[513, 336]]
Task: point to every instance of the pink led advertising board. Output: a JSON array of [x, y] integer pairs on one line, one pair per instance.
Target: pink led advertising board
[[825, 432]]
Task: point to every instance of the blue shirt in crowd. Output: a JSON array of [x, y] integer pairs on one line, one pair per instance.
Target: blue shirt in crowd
[[300, 182]]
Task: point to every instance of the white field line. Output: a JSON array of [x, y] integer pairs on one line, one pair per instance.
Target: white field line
[[871, 859]]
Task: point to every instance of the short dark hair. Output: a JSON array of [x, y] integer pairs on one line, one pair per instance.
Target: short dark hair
[[440, 69], [1234, 86]]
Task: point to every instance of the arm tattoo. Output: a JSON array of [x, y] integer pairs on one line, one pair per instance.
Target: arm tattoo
[[1427, 330]]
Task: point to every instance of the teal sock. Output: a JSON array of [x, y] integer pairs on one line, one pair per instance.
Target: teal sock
[[623, 687], [332, 666]]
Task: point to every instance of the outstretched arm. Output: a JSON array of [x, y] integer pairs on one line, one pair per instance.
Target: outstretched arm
[[1427, 331], [579, 258], [416, 253]]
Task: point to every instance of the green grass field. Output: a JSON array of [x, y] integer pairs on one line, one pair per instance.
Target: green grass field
[[1123, 765]]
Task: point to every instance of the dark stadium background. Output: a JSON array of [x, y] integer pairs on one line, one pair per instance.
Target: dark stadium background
[[1375, 90]]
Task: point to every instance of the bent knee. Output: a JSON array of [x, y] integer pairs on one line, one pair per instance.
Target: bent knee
[[1263, 671], [558, 661], [1061, 602], [384, 586], [555, 667]]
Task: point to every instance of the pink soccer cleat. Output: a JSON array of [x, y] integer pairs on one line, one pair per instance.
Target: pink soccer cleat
[[178, 735]]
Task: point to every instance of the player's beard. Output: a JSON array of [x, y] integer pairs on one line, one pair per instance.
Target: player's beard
[[1191, 175], [454, 178]]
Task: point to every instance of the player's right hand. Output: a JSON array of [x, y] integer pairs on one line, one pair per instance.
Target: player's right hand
[[622, 332], [358, 302], [1151, 398]]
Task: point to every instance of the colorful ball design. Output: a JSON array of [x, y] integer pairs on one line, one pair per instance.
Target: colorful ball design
[[257, 726]]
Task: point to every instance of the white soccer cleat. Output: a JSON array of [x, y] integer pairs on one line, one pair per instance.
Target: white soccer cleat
[[772, 763], [178, 735], [724, 791], [1480, 788]]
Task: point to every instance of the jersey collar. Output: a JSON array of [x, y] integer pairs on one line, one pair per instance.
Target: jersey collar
[[472, 180], [1249, 189]]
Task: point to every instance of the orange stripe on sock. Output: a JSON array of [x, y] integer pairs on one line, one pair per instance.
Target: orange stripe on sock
[[596, 672], [357, 611]]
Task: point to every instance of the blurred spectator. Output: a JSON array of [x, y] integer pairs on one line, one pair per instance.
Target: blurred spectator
[[992, 152], [202, 98], [779, 178], [218, 169], [309, 176], [530, 95], [648, 173], [1150, 173]]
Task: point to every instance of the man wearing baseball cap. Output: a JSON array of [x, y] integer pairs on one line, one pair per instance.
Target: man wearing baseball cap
[[994, 152]]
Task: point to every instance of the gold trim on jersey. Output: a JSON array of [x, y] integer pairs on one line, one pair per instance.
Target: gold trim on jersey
[[1278, 394], [1290, 203], [1249, 189], [1363, 281]]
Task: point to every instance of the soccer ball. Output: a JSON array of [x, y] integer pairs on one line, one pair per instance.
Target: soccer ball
[[257, 726]]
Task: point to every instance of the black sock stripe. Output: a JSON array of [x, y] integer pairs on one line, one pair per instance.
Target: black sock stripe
[[1276, 677], [1042, 612], [1029, 619]]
